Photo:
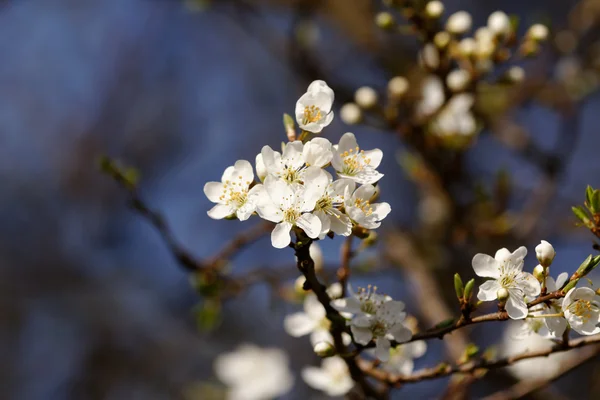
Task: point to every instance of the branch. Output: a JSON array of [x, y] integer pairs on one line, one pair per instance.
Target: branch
[[343, 273], [471, 367]]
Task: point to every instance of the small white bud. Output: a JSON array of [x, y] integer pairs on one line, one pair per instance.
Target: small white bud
[[397, 86], [430, 56], [458, 79], [538, 32], [351, 114], [499, 23], [324, 349], [317, 256], [299, 285], [442, 39], [515, 74], [484, 48], [502, 295], [434, 9], [467, 46], [545, 253], [538, 273], [459, 22], [483, 34], [366, 97]]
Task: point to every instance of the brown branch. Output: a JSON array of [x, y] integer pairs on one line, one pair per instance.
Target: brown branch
[[445, 369], [526, 387], [343, 273], [239, 242]]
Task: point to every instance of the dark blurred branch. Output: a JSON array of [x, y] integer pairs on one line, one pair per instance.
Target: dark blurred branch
[[343, 273]]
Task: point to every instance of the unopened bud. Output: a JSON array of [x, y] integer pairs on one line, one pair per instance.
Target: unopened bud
[[430, 56], [366, 97], [458, 80], [570, 285], [385, 20], [538, 32], [397, 87], [499, 23], [545, 253], [288, 123], [469, 289], [539, 273], [459, 23], [502, 295], [317, 256], [467, 46], [434, 9], [442, 39], [324, 349], [299, 285], [515, 74], [458, 286], [351, 114]]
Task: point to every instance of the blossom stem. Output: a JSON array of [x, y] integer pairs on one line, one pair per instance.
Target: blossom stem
[[546, 315]]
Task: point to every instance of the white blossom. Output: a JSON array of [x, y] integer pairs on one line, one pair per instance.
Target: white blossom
[[314, 108], [430, 56], [375, 317], [582, 310], [366, 97], [398, 86], [351, 162], [297, 160], [545, 253], [254, 373], [499, 23], [402, 357], [232, 194], [458, 79], [506, 271], [328, 206], [333, 377], [289, 206], [312, 320], [432, 97], [538, 32], [456, 118], [459, 23], [360, 210], [434, 9], [533, 369], [351, 113]]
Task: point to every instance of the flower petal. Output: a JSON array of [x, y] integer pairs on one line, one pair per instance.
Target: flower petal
[[340, 223], [401, 333], [515, 305], [530, 286], [292, 154], [280, 237], [361, 335], [310, 224], [486, 266], [382, 349], [561, 280], [244, 170], [488, 290], [220, 211], [280, 192], [298, 324], [502, 255], [375, 156], [214, 191]]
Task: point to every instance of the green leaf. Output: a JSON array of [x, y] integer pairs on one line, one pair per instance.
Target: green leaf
[[581, 214], [595, 202]]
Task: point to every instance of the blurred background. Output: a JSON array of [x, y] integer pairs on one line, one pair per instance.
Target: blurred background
[[94, 306]]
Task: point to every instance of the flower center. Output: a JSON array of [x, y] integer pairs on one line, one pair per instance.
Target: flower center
[[509, 275], [364, 205], [235, 193], [311, 114], [583, 309], [354, 161], [379, 328], [291, 215], [369, 304]]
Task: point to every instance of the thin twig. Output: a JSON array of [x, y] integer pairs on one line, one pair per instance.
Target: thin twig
[[343, 273]]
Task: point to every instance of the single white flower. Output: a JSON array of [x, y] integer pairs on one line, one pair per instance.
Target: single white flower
[[459, 22], [397, 87], [360, 210], [402, 357], [582, 310], [456, 118], [254, 373], [499, 23], [430, 56], [432, 97], [536, 368], [289, 206], [548, 327], [313, 320], [375, 317], [349, 161], [434, 9], [296, 161], [506, 271], [314, 108], [232, 194], [351, 113], [458, 80], [328, 206], [333, 377], [545, 253], [366, 97], [538, 32]]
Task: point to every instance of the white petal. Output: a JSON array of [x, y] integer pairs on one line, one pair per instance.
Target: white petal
[[516, 306], [327, 120], [298, 324], [486, 266], [347, 142], [347, 304], [268, 210], [367, 176], [280, 237], [337, 162], [340, 223], [502, 255], [316, 378], [416, 349], [488, 290], [261, 170], [220, 211], [382, 349], [310, 224], [556, 326], [280, 192], [364, 192], [401, 333], [292, 154], [361, 335], [268, 159], [245, 211], [320, 335], [317, 152], [320, 86], [375, 156], [214, 190], [531, 286], [381, 210], [519, 254], [561, 280], [325, 223], [228, 174], [313, 308], [243, 168]]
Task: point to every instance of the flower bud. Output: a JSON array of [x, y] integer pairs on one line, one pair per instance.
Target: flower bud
[[459, 22], [351, 114], [442, 39], [502, 295], [397, 87], [539, 273], [458, 286], [458, 79], [466, 47], [545, 253], [515, 74], [366, 97], [538, 32], [430, 56], [385, 20], [434, 9], [299, 285], [469, 289], [317, 256], [324, 349], [499, 23]]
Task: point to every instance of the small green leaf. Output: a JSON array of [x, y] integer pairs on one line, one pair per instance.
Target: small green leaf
[[581, 214], [469, 289], [595, 202], [458, 286]]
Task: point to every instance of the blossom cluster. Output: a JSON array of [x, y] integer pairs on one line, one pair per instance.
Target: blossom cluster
[[294, 189], [579, 309]]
